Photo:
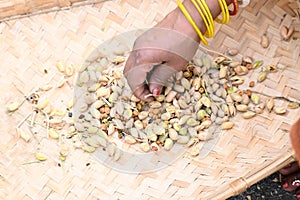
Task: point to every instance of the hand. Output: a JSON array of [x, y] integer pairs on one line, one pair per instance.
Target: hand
[[159, 53], [291, 173]]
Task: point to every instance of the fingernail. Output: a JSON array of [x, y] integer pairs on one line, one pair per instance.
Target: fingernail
[[156, 91], [285, 185], [298, 196], [296, 183]]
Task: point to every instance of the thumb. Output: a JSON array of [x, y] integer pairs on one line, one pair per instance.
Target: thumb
[[159, 77]]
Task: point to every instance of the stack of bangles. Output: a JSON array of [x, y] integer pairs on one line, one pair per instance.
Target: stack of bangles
[[205, 13]]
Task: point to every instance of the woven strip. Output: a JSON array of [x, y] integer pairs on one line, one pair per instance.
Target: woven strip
[[243, 156]]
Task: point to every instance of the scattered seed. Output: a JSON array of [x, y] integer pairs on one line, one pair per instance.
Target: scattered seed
[[60, 67], [195, 151], [227, 125], [13, 106], [168, 144], [257, 64], [232, 52], [280, 110], [248, 115], [262, 76], [46, 87], [69, 70], [255, 98], [41, 156], [251, 84], [264, 41], [293, 105]]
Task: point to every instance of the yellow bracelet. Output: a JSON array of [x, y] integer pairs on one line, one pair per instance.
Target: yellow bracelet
[[208, 15], [210, 32], [225, 12], [191, 21]]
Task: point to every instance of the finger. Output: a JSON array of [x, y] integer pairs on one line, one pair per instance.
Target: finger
[[291, 182], [136, 76], [159, 78], [290, 168], [161, 74], [298, 193], [295, 138]]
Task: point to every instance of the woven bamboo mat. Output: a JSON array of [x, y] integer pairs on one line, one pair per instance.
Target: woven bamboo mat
[[244, 155]]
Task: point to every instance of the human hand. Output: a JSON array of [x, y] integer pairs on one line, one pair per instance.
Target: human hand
[[159, 53], [291, 173]]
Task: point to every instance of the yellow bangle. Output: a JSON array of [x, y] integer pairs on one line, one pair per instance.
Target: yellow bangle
[[210, 32], [225, 12], [191, 21], [208, 15]]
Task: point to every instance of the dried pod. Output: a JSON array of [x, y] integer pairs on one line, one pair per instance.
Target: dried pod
[[204, 135], [129, 139], [183, 139], [168, 144], [185, 83], [257, 64], [271, 68], [290, 32], [270, 104], [196, 83], [232, 52], [248, 114], [225, 109], [280, 110], [247, 60], [284, 32], [234, 64], [160, 98], [46, 87], [293, 105], [166, 116], [41, 156], [88, 148], [195, 151], [232, 109], [60, 67], [206, 101], [13, 107], [223, 71], [241, 108], [264, 41], [145, 147], [103, 92], [143, 115], [170, 97], [154, 146], [246, 99], [219, 59], [229, 100], [236, 97], [262, 76], [192, 142], [178, 88], [53, 134], [241, 70], [192, 122], [42, 104], [255, 98], [227, 125], [24, 135], [69, 70], [236, 80], [173, 134]]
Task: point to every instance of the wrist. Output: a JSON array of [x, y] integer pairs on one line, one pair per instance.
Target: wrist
[[183, 23]]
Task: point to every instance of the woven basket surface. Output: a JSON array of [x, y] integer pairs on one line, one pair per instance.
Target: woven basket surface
[[252, 150]]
